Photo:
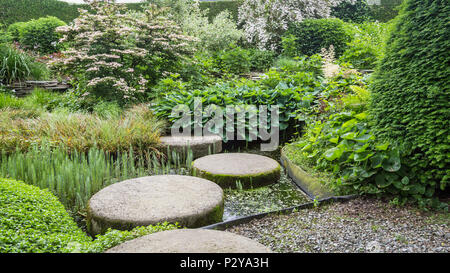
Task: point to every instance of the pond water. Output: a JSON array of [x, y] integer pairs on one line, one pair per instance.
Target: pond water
[[282, 194]]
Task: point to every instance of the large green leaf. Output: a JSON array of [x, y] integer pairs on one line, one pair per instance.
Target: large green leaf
[[332, 154], [381, 181], [364, 138], [362, 156], [349, 135], [376, 160], [392, 163]]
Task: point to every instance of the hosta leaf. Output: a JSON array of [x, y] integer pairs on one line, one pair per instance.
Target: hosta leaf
[[377, 160], [362, 156], [405, 180], [332, 154], [381, 181], [361, 116], [307, 148], [398, 184], [391, 164], [363, 138], [362, 149], [349, 135], [350, 123]]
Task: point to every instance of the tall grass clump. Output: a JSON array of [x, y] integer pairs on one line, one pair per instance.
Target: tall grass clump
[[16, 65], [135, 129], [74, 177]]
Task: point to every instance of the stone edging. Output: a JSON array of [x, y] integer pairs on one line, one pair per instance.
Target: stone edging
[[309, 184]]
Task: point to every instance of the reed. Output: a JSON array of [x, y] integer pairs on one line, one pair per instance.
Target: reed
[[76, 176]]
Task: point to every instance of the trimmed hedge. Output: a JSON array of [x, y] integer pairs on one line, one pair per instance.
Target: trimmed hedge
[[410, 102], [356, 13], [12, 11], [388, 10], [314, 34], [38, 34], [34, 221], [216, 7]]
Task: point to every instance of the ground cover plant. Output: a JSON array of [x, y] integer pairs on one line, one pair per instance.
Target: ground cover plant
[[293, 93], [34, 221]]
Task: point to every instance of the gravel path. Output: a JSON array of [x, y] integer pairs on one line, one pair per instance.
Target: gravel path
[[360, 225]]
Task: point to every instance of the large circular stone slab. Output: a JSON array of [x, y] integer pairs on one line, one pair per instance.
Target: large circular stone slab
[[190, 201], [200, 146], [227, 169], [191, 241]]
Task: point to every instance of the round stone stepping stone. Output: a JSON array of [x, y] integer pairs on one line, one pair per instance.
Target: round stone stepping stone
[[190, 201], [227, 169], [200, 146], [191, 241]]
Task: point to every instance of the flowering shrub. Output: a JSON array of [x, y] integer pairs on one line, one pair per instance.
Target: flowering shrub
[[215, 35], [114, 55], [265, 21]]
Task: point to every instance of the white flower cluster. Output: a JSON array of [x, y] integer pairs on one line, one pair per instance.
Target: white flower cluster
[[265, 21], [109, 48]]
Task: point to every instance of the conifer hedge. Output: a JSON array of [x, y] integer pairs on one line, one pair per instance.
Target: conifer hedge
[[411, 92]]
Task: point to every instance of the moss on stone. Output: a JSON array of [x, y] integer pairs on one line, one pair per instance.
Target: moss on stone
[[99, 225], [304, 180], [247, 181]]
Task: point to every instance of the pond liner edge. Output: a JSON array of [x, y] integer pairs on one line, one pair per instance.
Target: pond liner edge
[[303, 180], [245, 219]]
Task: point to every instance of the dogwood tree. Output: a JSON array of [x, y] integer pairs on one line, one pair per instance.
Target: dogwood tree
[[113, 54]]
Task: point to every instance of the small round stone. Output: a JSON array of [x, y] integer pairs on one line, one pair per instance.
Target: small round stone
[[230, 168], [190, 201], [200, 146], [191, 241]]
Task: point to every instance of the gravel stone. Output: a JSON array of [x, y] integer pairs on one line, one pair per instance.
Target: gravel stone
[[360, 225]]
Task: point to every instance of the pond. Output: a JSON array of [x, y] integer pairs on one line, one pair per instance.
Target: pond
[[282, 194]]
